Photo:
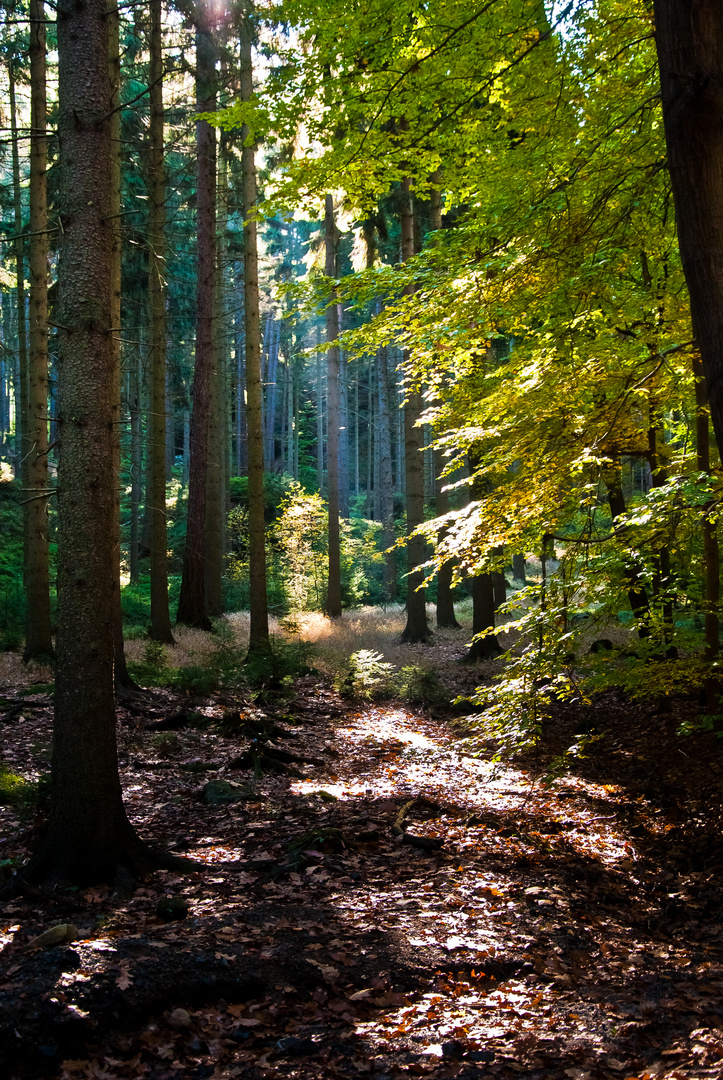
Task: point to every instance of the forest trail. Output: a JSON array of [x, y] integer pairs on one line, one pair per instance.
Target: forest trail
[[550, 935]]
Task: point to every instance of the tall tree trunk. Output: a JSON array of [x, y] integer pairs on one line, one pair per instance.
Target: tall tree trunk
[[216, 472], [38, 630], [123, 682], [445, 604], [134, 404], [22, 448], [320, 456], [688, 37], [160, 615], [89, 837], [192, 597], [386, 494], [259, 642], [343, 428], [711, 551], [333, 595], [417, 628]]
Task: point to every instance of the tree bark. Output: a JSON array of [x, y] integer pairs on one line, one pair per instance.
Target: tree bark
[[688, 37], [89, 836], [333, 592], [38, 629], [417, 628], [192, 598], [259, 642], [160, 615]]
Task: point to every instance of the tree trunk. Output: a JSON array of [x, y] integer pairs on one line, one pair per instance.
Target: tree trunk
[[445, 604], [22, 447], [192, 598], [483, 598], [160, 615], [134, 404], [688, 37], [711, 552], [386, 495], [258, 603], [416, 628], [38, 630], [123, 681], [519, 568], [216, 472], [333, 594], [89, 836], [637, 596]]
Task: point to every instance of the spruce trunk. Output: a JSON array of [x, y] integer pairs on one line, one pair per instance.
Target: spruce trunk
[[416, 628], [89, 837], [333, 593], [258, 603], [160, 615], [38, 630], [192, 597]]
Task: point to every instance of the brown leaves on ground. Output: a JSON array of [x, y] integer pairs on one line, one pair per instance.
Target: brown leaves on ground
[[565, 932]]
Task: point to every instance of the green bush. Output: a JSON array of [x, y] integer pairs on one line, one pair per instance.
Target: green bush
[[369, 676]]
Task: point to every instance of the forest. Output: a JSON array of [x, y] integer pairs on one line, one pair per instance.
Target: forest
[[361, 415]]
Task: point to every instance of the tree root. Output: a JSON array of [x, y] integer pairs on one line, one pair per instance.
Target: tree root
[[425, 843], [264, 758]]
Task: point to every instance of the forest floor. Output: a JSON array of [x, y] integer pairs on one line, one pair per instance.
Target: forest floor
[[574, 930]]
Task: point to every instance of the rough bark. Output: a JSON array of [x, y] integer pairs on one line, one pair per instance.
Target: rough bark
[[417, 628], [258, 603], [89, 836], [333, 593], [192, 597], [688, 36], [38, 629], [160, 615]]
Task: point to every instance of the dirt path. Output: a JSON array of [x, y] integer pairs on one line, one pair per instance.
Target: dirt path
[[545, 938]]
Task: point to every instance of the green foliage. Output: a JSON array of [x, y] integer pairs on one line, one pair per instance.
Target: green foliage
[[369, 676], [27, 795], [418, 685], [154, 669], [276, 669]]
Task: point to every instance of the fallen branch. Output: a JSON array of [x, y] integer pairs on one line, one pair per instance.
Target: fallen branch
[[425, 843]]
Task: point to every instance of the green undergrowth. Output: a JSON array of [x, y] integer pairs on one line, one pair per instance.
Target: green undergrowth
[[226, 667], [370, 677], [28, 796]]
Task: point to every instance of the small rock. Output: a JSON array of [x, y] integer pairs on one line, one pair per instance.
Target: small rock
[[179, 1019], [170, 908], [56, 935]]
